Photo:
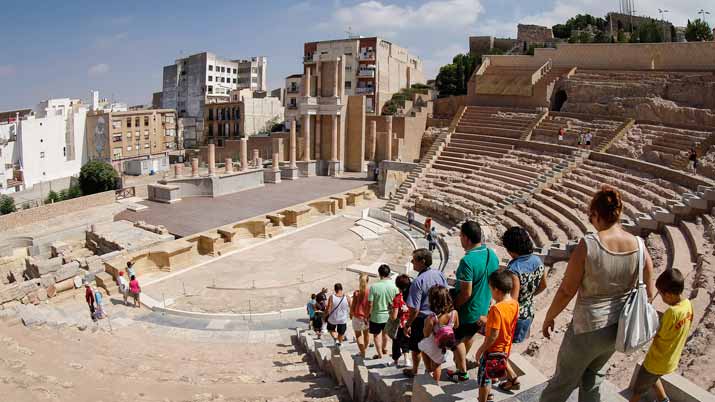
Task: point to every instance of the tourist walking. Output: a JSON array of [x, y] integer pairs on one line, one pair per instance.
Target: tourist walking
[[379, 299], [359, 314], [432, 239], [398, 316], [493, 354], [310, 309], [561, 135], [418, 303], [472, 294], [130, 269], [320, 308], [693, 160], [98, 308], [439, 330], [428, 224], [580, 139], [528, 277], [135, 290], [89, 298], [664, 354], [602, 270], [338, 314], [123, 286], [588, 139], [410, 218]]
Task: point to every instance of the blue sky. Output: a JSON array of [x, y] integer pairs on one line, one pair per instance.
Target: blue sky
[[65, 49]]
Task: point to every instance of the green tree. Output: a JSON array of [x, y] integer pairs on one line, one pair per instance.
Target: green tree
[[52, 196], [97, 176], [74, 191], [650, 32], [7, 204], [561, 31], [453, 78], [698, 31]]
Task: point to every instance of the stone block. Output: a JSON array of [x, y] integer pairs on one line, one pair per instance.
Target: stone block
[[104, 281], [271, 176], [296, 216], [10, 293], [47, 281], [209, 243], [288, 173], [360, 379], [306, 168], [67, 271]]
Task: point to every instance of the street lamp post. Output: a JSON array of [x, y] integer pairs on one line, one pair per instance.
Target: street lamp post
[[662, 18]]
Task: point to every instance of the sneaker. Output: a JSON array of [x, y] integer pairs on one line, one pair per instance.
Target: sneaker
[[456, 376]]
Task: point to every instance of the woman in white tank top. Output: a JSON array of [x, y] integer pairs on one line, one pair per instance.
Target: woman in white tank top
[[602, 271], [338, 314]]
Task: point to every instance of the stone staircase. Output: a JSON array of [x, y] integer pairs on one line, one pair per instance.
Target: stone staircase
[[616, 136], [681, 160], [403, 192]]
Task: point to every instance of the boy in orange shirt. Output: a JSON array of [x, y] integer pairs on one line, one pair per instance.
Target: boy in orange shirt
[[501, 322]]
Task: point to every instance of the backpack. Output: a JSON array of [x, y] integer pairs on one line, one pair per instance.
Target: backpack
[[444, 335]]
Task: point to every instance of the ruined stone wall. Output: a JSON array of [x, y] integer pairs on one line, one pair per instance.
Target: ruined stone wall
[[49, 211], [534, 34]]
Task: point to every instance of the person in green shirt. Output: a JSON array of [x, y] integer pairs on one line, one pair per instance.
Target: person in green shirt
[[378, 304], [472, 294]]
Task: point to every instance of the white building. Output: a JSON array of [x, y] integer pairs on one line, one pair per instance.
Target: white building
[[291, 97], [51, 141], [252, 73]]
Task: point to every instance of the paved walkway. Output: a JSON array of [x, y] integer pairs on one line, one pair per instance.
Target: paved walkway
[[196, 214]]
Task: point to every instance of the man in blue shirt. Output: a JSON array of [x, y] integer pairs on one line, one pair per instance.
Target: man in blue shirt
[[418, 302]]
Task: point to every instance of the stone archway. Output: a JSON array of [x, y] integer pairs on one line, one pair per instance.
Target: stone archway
[[560, 98]]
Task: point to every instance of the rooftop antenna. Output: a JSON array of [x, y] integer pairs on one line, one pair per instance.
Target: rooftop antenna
[[350, 32]]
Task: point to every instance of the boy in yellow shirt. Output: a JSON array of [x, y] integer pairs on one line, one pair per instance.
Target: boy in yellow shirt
[[664, 353]]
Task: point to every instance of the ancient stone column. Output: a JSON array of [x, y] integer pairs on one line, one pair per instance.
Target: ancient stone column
[[212, 159], [229, 165], [336, 85], [256, 158], [318, 134], [306, 82], [306, 137], [388, 146], [277, 145], [195, 167], [177, 170], [244, 154], [334, 139], [292, 145], [372, 141]]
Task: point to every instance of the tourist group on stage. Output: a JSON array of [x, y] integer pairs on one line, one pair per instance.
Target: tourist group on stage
[[610, 273]]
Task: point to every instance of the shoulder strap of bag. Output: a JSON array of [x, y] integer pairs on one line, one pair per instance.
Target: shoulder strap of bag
[[338, 305], [641, 260]]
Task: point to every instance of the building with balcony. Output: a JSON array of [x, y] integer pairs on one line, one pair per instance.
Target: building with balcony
[[135, 141], [292, 97], [252, 73], [8, 158], [373, 67], [246, 114]]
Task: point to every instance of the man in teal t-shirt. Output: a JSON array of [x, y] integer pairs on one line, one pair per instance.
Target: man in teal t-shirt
[[379, 300], [473, 295]]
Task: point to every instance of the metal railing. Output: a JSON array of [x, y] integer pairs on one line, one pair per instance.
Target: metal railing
[[124, 193]]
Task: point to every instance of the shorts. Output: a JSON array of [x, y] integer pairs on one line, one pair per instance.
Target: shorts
[[317, 322], [359, 324], [376, 328], [416, 332], [588, 142], [341, 328], [467, 331], [482, 379], [644, 381], [135, 296], [521, 332]]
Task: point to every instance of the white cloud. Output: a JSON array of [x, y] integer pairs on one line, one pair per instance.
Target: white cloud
[[7, 70], [374, 15], [98, 69]]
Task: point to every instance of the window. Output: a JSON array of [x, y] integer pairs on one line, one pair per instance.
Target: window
[[211, 68], [234, 80], [42, 155], [223, 69], [116, 153], [211, 89], [116, 124], [254, 70], [348, 84], [64, 151], [137, 147], [146, 121], [146, 145], [146, 134], [223, 79], [129, 136], [211, 114], [137, 134], [136, 122], [129, 147], [234, 71], [117, 138], [211, 130], [254, 80], [129, 121], [211, 78]]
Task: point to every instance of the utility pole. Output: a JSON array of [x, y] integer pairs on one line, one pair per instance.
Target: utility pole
[[662, 12]]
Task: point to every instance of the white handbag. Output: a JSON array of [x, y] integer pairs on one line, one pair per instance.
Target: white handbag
[[638, 322]]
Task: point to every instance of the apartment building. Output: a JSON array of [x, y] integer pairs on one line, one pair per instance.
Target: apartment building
[[373, 67], [247, 113], [8, 157], [291, 97], [252, 73], [50, 142], [134, 141]]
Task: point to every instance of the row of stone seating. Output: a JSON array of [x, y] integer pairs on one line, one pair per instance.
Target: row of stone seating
[[612, 76], [548, 129]]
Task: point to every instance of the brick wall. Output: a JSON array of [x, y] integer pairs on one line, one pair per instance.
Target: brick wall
[[49, 211]]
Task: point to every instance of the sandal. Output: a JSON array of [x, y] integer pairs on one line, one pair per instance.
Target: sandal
[[490, 398], [511, 384], [456, 376]]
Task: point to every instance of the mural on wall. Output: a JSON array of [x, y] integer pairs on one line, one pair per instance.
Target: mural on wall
[[100, 139]]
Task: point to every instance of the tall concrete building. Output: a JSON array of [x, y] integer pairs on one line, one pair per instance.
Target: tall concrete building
[[252, 73], [194, 81], [291, 97], [373, 67]]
